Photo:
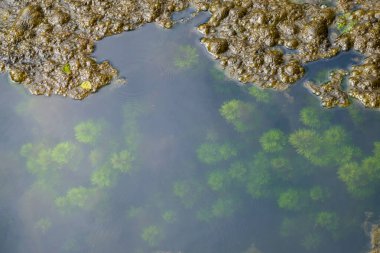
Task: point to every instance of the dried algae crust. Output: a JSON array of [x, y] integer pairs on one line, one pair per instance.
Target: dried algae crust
[[47, 45]]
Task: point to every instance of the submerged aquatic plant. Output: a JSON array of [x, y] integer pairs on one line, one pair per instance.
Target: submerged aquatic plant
[[313, 117], [357, 114], [187, 191], [240, 114], [88, 131], [122, 161], [103, 177], [169, 216], [329, 148], [319, 194], [211, 153], [307, 143], [77, 197], [362, 179], [335, 135], [44, 161], [273, 141], [220, 81], [96, 156], [292, 200], [322, 75], [327, 220], [217, 74], [64, 152], [289, 226], [43, 225], [39, 159], [223, 207], [186, 57], [260, 94], [153, 235], [311, 241], [238, 171], [283, 169], [259, 179], [357, 180], [217, 180], [134, 212]]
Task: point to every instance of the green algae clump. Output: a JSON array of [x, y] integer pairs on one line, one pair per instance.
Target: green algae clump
[[88, 131]]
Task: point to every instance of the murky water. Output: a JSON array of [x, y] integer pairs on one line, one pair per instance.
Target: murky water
[[180, 159]]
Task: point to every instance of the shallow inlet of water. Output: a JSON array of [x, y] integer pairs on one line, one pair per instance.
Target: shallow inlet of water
[[181, 159]]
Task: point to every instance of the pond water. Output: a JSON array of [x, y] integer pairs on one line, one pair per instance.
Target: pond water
[[181, 159]]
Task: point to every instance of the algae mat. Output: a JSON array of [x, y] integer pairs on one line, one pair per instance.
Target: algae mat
[[47, 45]]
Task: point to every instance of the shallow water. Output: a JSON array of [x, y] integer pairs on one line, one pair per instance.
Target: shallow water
[[151, 166]]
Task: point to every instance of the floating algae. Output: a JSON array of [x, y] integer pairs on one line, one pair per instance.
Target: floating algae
[[375, 239], [363, 36], [331, 92], [268, 42], [255, 34], [47, 45]]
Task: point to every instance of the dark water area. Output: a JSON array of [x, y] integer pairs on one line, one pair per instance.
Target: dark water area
[[182, 159]]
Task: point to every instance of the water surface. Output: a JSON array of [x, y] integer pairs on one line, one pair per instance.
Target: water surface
[[181, 159]]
